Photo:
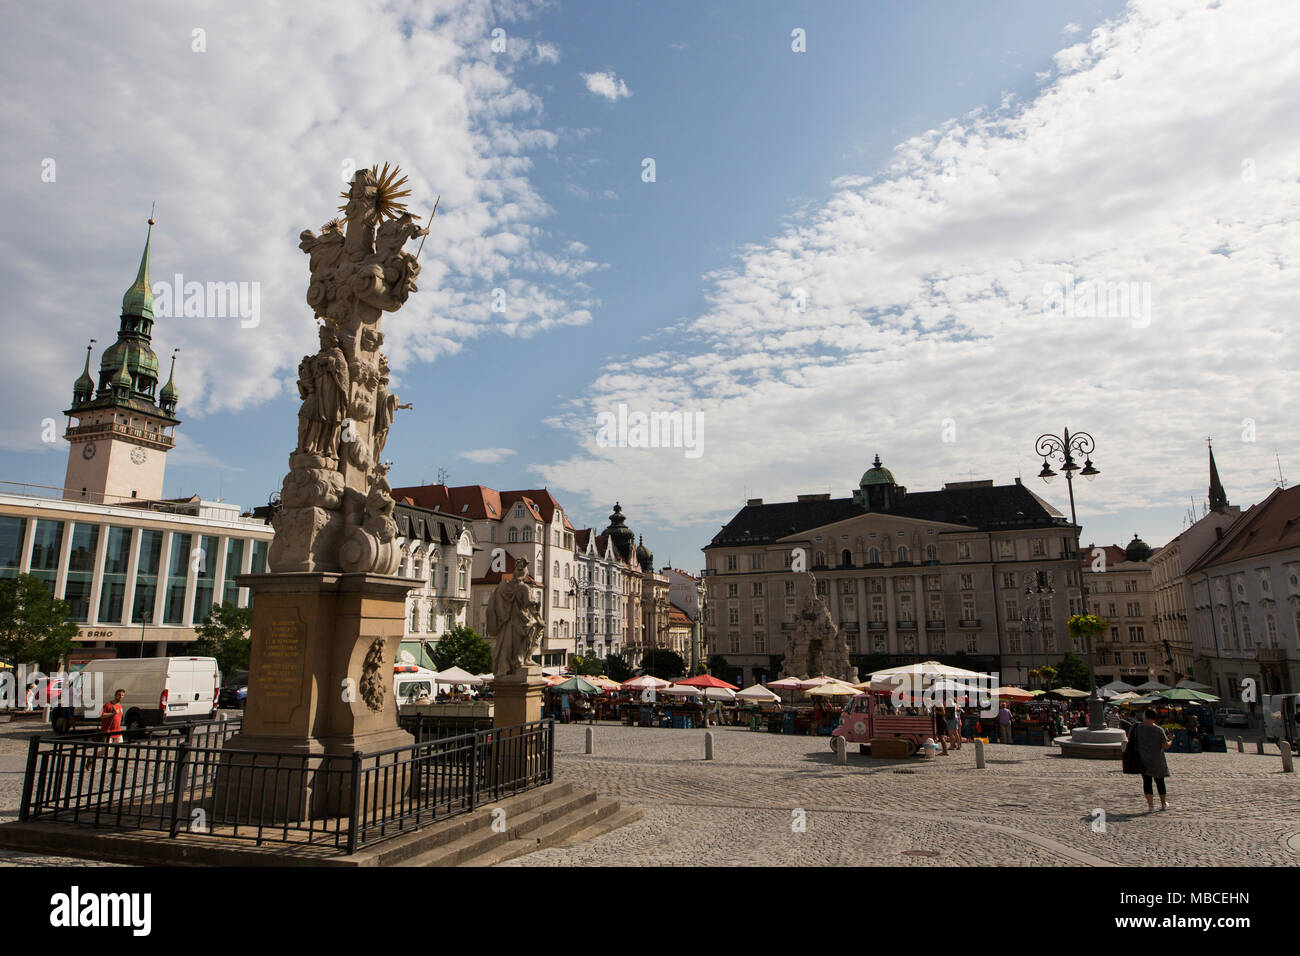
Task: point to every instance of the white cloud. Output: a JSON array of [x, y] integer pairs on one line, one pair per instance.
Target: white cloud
[[607, 85], [925, 286], [245, 145], [487, 456]]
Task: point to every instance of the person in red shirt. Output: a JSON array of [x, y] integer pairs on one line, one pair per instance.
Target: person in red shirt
[[110, 718]]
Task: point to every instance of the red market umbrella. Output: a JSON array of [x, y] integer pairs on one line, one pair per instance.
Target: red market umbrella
[[706, 680]]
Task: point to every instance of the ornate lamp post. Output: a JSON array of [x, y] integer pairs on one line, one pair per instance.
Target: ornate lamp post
[[1064, 451]]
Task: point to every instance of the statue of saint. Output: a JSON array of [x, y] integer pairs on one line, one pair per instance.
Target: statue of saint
[[331, 388], [514, 623]]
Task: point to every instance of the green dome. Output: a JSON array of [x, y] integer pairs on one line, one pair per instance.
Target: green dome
[[137, 358], [877, 475], [1137, 550], [644, 556], [121, 379]]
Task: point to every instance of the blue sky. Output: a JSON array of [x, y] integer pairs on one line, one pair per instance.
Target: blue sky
[[923, 172]]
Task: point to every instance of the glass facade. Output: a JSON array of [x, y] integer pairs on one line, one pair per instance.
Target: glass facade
[[12, 531], [258, 563], [205, 579], [46, 545], [112, 590], [81, 571], [146, 576], [234, 563], [178, 566]]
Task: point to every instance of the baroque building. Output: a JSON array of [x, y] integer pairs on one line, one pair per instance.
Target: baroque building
[[908, 576], [601, 574], [1121, 591]]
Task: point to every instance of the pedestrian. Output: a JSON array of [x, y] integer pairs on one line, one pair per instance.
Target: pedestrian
[[954, 727], [110, 718], [1004, 724], [1151, 742], [940, 728]]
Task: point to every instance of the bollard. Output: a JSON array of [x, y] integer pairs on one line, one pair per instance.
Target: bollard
[[1259, 746], [222, 716], [1285, 747], [841, 751], [979, 755], [708, 745], [1241, 746], [591, 740]]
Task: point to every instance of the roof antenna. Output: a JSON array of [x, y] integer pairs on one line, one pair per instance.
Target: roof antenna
[[1281, 479]]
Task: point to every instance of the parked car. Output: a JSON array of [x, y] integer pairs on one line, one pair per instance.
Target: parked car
[[1231, 717], [234, 692]]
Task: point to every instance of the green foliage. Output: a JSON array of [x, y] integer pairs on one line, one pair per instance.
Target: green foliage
[[34, 628], [663, 663], [589, 665], [1073, 672], [462, 647], [224, 635], [1046, 674], [617, 668], [720, 669]]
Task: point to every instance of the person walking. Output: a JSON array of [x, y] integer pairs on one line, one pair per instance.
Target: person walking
[[940, 729], [110, 718], [1004, 724], [1151, 742], [954, 727]]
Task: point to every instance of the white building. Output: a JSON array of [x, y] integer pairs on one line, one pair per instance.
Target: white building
[[599, 619]]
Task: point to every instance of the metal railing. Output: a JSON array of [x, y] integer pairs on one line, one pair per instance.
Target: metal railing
[[184, 780]]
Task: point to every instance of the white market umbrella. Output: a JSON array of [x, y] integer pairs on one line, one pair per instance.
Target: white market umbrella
[[786, 683], [1152, 685], [457, 675], [932, 670], [758, 693], [1114, 688], [677, 690], [644, 681], [720, 693]]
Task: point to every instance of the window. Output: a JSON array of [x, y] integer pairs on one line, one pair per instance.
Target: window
[[47, 542], [146, 576], [733, 615], [234, 562], [1013, 610], [972, 644], [12, 531], [1008, 579], [205, 564], [905, 611], [760, 643], [733, 589], [938, 642], [963, 551], [461, 575], [756, 562], [1038, 548], [1130, 585], [1134, 609], [1006, 549], [758, 617], [846, 558], [931, 553], [513, 536], [429, 619], [1271, 625], [731, 562], [968, 582], [1140, 657], [81, 570], [177, 571], [902, 555], [968, 607], [112, 593], [1133, 637], [734, 637], [789, 587], [1013, 641], [877, 607], [757, 589], [820, 559], [1245, 631]]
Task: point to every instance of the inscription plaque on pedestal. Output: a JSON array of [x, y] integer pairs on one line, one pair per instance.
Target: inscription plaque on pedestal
[[279, 674]]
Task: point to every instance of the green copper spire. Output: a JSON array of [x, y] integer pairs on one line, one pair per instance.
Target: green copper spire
[[168, 397], [84, 384], [139, 298]]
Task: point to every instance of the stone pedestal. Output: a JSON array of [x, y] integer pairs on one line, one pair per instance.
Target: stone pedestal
[[517, 698], [320, 689]]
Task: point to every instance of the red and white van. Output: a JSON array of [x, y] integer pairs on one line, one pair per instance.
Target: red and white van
[[858, 724]]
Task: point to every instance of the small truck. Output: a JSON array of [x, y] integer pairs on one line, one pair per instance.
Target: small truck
[[859, 724]]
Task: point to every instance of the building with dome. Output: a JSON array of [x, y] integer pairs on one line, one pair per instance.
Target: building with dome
[[1121, 589], [137, 570], [907, 576]]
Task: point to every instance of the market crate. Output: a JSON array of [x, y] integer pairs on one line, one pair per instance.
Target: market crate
[[1216, 744], [889, 747]]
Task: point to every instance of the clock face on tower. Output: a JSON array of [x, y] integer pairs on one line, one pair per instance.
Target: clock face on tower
[[88, 450], [138, 455]]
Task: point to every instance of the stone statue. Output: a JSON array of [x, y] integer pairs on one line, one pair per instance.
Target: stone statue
[[817, 646], [373, 685], [514, 623], [337, 507]]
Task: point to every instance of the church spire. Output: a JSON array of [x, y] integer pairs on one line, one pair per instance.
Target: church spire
[[1218, 497], [168, 397], [138, 299], [84, 385]]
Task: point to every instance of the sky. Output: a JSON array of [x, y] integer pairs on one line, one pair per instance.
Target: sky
[[816, 232]]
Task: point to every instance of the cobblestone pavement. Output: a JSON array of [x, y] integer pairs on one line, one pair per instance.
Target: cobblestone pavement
[[1029, 806]]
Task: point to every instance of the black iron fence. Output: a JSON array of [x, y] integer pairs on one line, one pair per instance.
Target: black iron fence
[[183, 779]]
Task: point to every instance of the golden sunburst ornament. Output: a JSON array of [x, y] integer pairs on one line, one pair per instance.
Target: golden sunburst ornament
[[388, 192]]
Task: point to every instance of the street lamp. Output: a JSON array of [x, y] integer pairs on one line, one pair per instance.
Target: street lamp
[[1065, 451], [145, 615]]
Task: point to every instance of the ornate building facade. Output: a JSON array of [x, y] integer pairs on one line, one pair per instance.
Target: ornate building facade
[[1121, 591], [601, 574], [938, 574]]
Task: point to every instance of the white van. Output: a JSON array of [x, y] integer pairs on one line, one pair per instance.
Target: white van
[[158, 689], [414, 684]]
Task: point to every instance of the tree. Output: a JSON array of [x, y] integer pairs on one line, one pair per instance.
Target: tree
[[1046, 674], [1073, 672], [720, 669], [462, 647], [617, 668], [663, 663], [224, 635], [34, 627], [589, 665]]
